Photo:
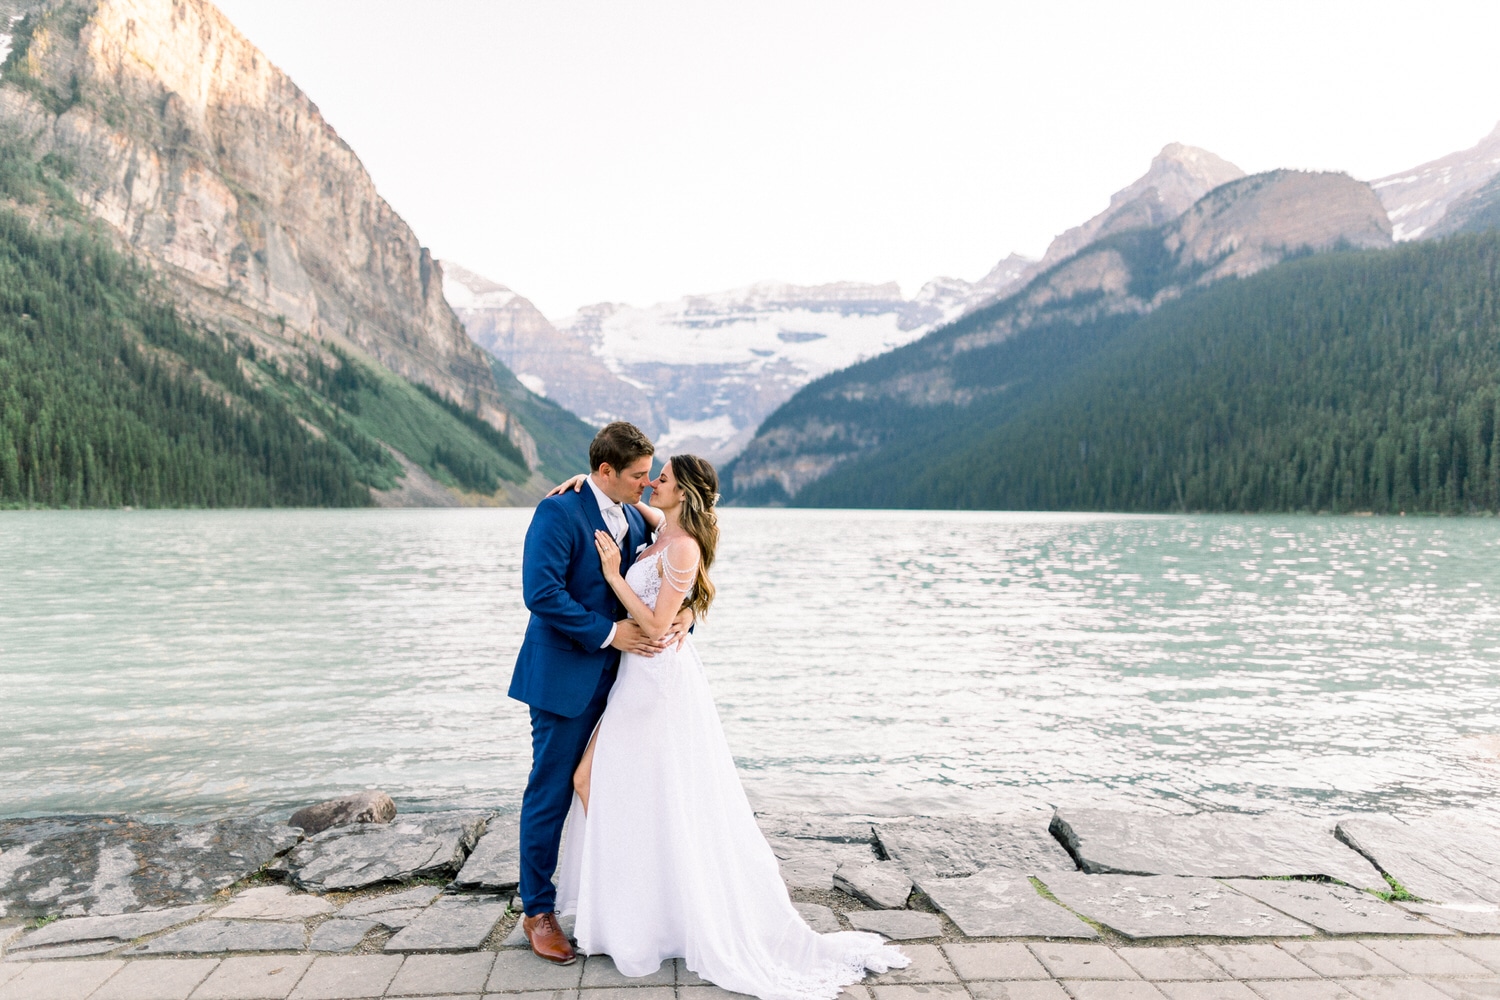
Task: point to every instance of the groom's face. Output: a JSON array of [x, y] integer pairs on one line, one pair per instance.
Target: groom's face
[[627, 485]]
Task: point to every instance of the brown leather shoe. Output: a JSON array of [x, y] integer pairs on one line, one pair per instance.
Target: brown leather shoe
[[547, 939]]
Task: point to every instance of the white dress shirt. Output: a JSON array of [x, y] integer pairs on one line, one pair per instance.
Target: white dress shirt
[[614, 520]]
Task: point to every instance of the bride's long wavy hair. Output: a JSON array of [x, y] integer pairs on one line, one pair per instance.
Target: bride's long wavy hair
[[700, 495]]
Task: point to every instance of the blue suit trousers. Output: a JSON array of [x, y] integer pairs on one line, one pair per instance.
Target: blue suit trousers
[[557, 745]]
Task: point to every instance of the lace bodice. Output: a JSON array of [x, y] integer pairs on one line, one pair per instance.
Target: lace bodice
[[646, 574], [644, 577]]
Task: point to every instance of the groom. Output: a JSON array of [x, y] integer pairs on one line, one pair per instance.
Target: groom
[[571, 653]]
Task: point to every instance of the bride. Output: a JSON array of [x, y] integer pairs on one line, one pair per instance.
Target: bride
[[663, 858]]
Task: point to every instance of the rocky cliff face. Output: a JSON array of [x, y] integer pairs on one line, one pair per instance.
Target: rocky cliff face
[[1417, 199], [1234, 230], [209, 162]]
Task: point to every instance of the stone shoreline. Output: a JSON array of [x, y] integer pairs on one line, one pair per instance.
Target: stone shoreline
[[1398, 909]]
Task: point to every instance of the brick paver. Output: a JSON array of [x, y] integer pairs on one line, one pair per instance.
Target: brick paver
[[59, 980], [347, 977], [437, 975], [1485, 951], [1339, 958], [1257, 961], [600, 971], [254, 977], [1392, 989], [1425, 958], [1218, 989], [1161, 964], [928, 965], [519, 971], [1107, 989], [1010, 960], [157, 979], [1299, 989], [1083, 961], [1461, 968], [1036, 989]]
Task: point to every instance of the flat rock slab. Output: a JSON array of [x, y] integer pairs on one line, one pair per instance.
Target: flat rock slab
[[810, 864], [1169, 906], [898, 925], [1447, 858], [1469, 918], [449, 925], [212, 936], [100, 865], [340, 935], [495, 863], [1336, 909], [881, 884], [953, 847], [815, 826], [119, 928], [1210, 845], [82, 949], [274, 902], [354, 857], [819, 917], [1002, 903], [416, 898]]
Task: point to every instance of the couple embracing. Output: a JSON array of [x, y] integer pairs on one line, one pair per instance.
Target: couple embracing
[[664, 858]]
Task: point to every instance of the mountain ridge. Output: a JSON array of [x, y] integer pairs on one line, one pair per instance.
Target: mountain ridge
[[1236, 229]]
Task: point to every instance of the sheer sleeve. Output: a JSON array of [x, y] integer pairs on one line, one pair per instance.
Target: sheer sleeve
[[679, 567]]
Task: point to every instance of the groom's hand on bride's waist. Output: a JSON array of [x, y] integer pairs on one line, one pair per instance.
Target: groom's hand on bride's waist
[[630, 639]]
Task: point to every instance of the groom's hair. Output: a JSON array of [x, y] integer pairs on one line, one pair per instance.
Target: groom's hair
[[619, 444]]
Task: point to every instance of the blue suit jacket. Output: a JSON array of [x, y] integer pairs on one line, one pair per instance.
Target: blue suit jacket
[[572, 607]]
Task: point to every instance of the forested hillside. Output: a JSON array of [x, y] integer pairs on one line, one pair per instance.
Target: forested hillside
[[1356, 381], [109, 397]]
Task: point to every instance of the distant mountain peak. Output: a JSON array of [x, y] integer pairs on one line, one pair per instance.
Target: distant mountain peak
[[1417, 198], [466, 290], [1178, 176]]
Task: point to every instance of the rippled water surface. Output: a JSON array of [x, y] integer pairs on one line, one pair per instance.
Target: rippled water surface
[[180, 664]]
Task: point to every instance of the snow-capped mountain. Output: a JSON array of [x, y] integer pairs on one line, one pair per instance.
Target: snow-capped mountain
[[1416, 199], [700, 373]]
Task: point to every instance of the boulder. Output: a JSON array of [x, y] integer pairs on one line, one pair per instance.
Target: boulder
[[364, 807]]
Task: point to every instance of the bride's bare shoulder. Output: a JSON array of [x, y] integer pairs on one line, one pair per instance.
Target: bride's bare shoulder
[[683, 550]]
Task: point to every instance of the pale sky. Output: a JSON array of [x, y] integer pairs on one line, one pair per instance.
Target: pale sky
[[636, 152]]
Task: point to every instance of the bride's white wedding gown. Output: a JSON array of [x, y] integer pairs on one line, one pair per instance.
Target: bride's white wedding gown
[[669, 863]]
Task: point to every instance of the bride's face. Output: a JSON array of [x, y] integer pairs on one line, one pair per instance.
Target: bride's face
[[666, 494]]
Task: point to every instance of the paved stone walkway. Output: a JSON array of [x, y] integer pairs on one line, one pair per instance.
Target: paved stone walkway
[[1367, 969]]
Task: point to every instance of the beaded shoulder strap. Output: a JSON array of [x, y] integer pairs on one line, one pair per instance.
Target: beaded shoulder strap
[[680, 577]]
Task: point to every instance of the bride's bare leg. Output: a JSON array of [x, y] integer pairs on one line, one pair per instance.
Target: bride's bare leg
[[584, 772]]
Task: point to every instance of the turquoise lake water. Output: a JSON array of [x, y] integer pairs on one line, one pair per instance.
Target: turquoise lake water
[[176, 665]]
